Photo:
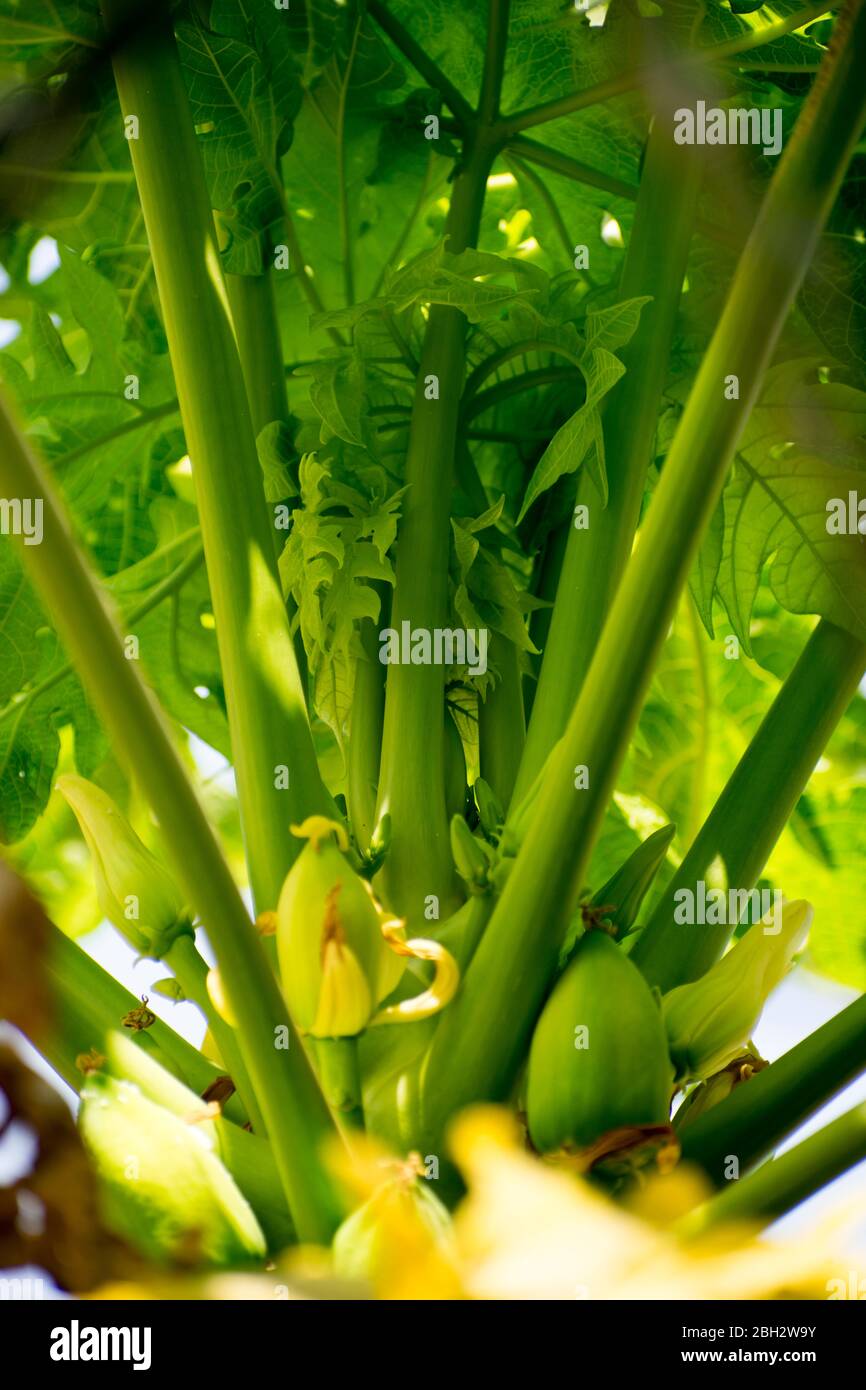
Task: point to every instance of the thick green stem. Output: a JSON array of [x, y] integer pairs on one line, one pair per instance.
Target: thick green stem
[[698, 777], [757, 800], [340, 1076], [250, 1161], [89, 1003], [191, 972], [759, 1114], [365, 733], [548, 570], [784, 1182], [494, 62], [412, 781], [596, 556], [501, 721], [254, 314], [296, 1115], [473, 1056], [267, 716]]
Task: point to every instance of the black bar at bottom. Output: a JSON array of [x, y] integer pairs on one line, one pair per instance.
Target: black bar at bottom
[[78, 1337]]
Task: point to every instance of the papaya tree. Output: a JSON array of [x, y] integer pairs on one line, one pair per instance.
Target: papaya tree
[[452, 419]]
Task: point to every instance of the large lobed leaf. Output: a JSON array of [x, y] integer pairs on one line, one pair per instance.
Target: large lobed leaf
[[804, 446]]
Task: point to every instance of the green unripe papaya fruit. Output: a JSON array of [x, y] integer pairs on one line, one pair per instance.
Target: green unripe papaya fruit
[[599, 1056], [163, 1186]]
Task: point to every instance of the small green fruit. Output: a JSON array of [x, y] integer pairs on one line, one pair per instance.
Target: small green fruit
[[599, 1055]]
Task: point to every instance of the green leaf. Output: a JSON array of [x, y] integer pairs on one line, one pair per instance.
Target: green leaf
[[34, 705], [612, 328], [443, 278], [463, 281], [48, 33], [337, 392], [777, 510], [335, 556], [486, 589], [336, 183], [70, 405], [244, 93], [111, 397], [833, 296], [276, 450], [176, 639], [581, 438], [695, 722], [39, 699], [97, 309], [87, 196], [801, 449], [704, 576], [721, 23]]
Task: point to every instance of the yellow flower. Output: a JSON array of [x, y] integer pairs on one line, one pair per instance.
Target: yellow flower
[[328, 936], [528, 1231], [340, 954]]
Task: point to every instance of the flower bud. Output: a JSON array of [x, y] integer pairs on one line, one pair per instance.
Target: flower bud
[[490, 811], [472, 859], [709, 1021], [381, 839], [333, 957], [622, 895], [164, 1188], [133, 889], [404, 1212], [340, 955], [710, 1093]]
